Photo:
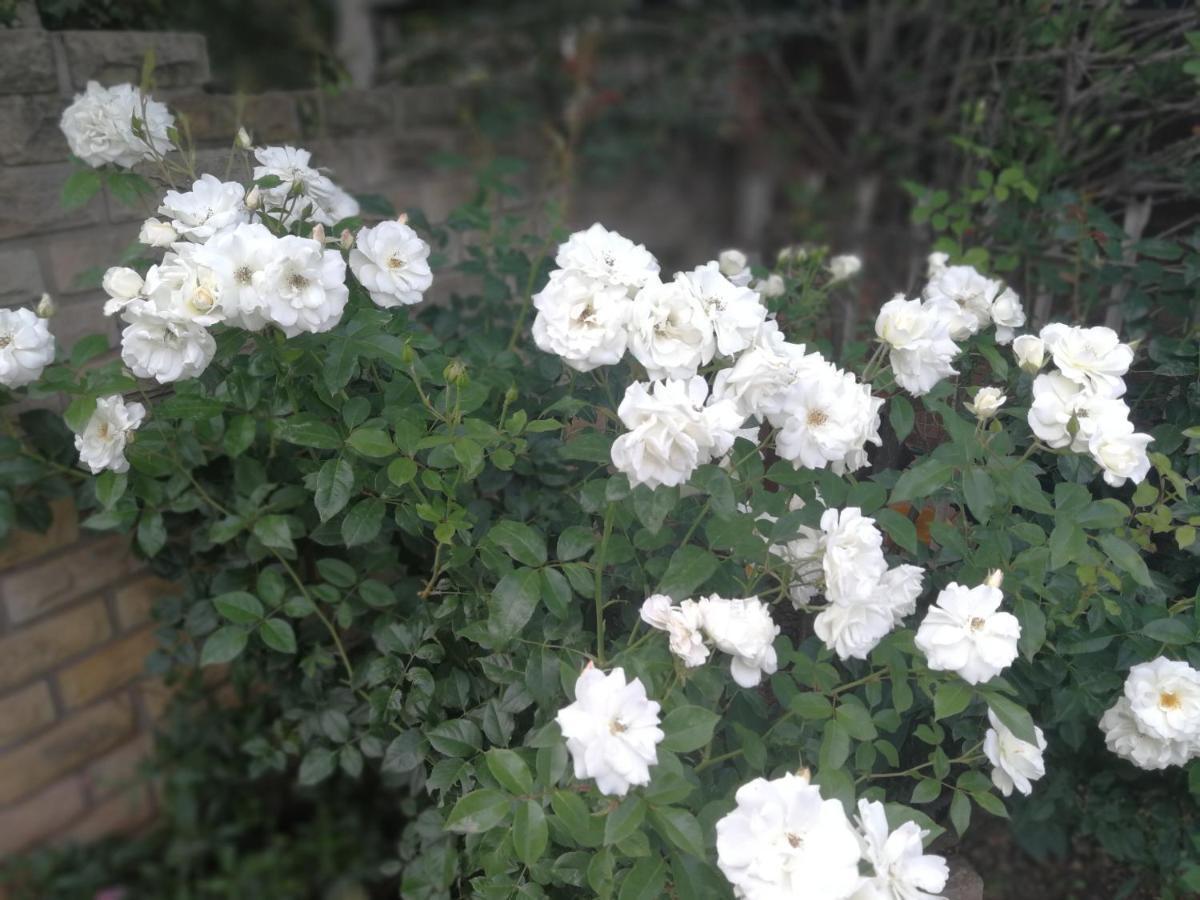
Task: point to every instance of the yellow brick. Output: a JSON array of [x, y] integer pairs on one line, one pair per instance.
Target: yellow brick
[[155, 696], [72, 742], [105, 670], [135, 601], [119, 770], [25, 711], [22, 546], [38, 648], [33, 820], [119, 814], [36, 590]]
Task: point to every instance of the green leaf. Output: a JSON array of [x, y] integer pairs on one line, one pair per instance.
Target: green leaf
[[223, 645], [835, 746], [307, 430], [1026, 491], [899, 528], [900, 414], [951, 698], [1013, 716], [979, 494], [401, 471], [336, 572], [1126, 557], [922, 480], [363, 522], [1105, 514], [274, 532], [556, 593], [317, 765], [80, 187], [688, 728], [590, 446], [510, 770], [458, 738], [240, 434], [151, 533], [376, 594], [1171, 631], [335, 480], [960, 812], [478, 811], [524, 544], [926, 791], [278, 635], [811, 706], [679, 828], [624, 820], [574, 542], [110, 487], [1067, 542], [531, 834], [855, 718], [653, 505], [690, 567], [239, 607], [513, 601], [645, 880], [88, 348], [371, 442]]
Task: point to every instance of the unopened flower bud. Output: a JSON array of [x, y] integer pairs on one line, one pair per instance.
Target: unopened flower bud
[[805, 775], [994, 579], [254, 198], [771, 286], [318, 233], [157, 233], [347, 239], [455, 372], [794, 253], [407, 356], [731, 262], [402, 218], [510, 396], [46, 307], [987, 403], [1030, 351], [845, 266], [243, 141]]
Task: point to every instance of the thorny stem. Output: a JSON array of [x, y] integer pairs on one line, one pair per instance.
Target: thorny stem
[[609, 514]]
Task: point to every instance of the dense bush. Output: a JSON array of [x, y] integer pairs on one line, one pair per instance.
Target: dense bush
[[408, 531]]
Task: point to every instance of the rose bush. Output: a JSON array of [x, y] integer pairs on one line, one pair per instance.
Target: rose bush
[[640, 596]]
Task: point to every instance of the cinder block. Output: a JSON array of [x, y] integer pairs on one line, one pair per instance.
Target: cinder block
[[39, 648], [29, 131], [26, 62], [22, 283], [119, 769], [107, 669], [113, 57], [25, 711], [75, 740], [122, 813], [56, 582], [77, 259], [32, 202]]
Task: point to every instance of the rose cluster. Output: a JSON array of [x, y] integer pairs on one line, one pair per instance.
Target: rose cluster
[[1079, 404], [233, 259], [741, 627], [606, 298], [1157, 722]]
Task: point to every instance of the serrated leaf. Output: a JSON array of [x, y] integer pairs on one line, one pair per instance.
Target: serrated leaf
[[371, 442], [317, 765], [457, 738], [512, 603], [363, 522], [688, 728], [624, 820], [900, 414], [478, 811], [679, 828], [1126, 557], [278, 635], [510, 770], [950, 698], [690, 567], [524, 544], [335, 480], [921, 480], [239, 607], [223, 645], [531, 834]]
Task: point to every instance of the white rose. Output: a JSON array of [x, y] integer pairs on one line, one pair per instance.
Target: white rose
[[744, 629], [684, 625], [164, 346], [1164, 697], [99, 126], [987, 402], [843, 267], [921, 349], [392, 263], [784, 840], [853, 561], [1030, 352], [757, 380], [901, 870], [671, 431], [734, 266], [210, 206], [102, 443], [670, 332], [1015, 763], [736, 313], [304, 286], [182, 287], [582, 320], [935, 264], [299, 182], [609, 257], [771, 286], [1118, 450], [827, 419], [26, 347], [1008, 315], [962, 298], [1092, 357], [239, 259], [1125, 737], [852, 630], [157, 233], [965, 632], [611, 730], [121, 285]]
